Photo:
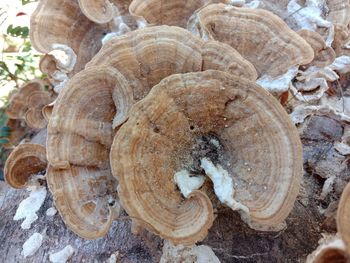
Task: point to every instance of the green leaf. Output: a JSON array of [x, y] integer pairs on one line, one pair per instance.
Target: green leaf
[[5, 129], [4, 141], [18, 31], [24, 2]]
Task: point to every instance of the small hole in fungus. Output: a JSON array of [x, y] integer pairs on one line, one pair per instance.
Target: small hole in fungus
[[156, 130], [191, 127]]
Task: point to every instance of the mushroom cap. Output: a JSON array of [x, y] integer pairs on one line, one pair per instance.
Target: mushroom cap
[[18, 102], [98, 11], [80, 129], [261, 150], [34, 116], [172, 13], [79, 137], [324, 55], [25, 160], [146, 56], [338, 12], [343, 217], [62, 22], [81, 197], [258, 35]]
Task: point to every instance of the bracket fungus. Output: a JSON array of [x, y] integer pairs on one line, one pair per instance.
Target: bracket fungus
[[79, 136], [27, 104], [24, 161], [343, 217], [100, 11], [18, 102], [258, 35], [62, 22], [324, 55], [172, 13], [253, 141], [146, 56], [97, 99]]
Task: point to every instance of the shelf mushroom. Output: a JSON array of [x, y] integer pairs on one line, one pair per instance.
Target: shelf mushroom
[[97, 100], [27, 104], [145, 56], [62, 22], [343, 217], [324, 55], [261, 37], [172, 13], [24, 161], [103, 11], [206, 123]]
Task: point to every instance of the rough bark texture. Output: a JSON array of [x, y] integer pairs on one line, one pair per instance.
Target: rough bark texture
[[230, 239]]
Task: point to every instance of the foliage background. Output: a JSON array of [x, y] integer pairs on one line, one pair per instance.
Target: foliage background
[[19, 61]]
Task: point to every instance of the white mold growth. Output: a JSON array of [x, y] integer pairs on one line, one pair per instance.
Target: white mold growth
[[341, 64], [223, 186], [253, 4], [63, 255], [65, 56], [188, 183], [28, 207], [182, 254], [32, 245], [238, 3], [310, 16], [279, 84], [51, 211]]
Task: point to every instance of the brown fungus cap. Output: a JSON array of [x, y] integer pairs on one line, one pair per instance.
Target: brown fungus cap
[[258, 35], [80, 130], [343, 217], [146, 56], [163, 12], [324, 55], [18, 102], [81, 196], [338, 11], [98, 11], [62, 22], [256, 143], [25, 160], [34, 116], [79, 137]]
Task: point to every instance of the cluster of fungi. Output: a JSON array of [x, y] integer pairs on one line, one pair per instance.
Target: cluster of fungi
[[159, 113]]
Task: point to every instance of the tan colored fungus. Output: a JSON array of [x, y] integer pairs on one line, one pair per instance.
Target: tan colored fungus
[[253, 140], [323, 55], [24, 161], [80, 130], [34, 116], [258, 35], [343, 217], [82, 196], [146, 56], [338, 11], [79, 137], [18, 102], [172, 13], [98, 11], [62, 22]]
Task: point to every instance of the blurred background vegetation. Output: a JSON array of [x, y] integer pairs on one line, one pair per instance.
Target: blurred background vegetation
[[19, 61]]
